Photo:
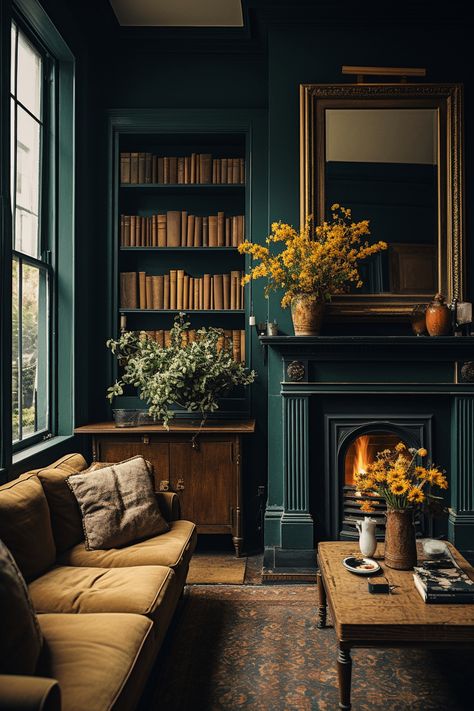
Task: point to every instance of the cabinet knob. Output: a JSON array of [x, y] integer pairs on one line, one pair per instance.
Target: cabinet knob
[[180, 485], [164, 485], [146, 439]]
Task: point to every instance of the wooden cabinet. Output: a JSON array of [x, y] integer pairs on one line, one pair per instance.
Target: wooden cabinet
[[203, 469]]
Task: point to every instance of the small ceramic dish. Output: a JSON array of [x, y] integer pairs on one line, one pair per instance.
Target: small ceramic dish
[[361, 566]]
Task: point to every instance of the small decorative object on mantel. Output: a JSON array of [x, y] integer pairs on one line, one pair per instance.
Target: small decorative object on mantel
[[398, 477], [439, 317], [315, 264], [418, 319], [191, 374], [367, 539]]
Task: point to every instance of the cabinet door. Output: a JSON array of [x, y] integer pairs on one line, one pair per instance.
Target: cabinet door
[[115, 449], [207, 475]]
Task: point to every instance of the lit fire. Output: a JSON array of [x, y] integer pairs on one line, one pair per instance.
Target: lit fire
[[361, 454]]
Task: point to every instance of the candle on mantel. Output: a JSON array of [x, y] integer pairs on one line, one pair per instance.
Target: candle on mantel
[[252, 320]]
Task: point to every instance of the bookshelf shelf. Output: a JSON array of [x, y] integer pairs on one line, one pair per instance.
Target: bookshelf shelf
[[228, 312], [207, 188]]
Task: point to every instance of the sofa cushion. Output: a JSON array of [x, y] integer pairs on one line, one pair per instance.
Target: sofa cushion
[[118, 504], [173, 549], [21, 638], [70, 463], [150, 590], [100, 661], [25, 525]]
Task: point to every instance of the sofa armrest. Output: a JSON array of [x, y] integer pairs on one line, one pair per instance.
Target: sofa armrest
[[169, 505], [29, 693]]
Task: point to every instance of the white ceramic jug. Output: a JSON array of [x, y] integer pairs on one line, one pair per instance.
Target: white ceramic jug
[[367, 540]]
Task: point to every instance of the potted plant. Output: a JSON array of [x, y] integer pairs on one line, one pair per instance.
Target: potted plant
[[192, 374], [315, 264], [397, 477]]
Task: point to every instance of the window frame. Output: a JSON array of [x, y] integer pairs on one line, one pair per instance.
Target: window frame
[[46, 227]]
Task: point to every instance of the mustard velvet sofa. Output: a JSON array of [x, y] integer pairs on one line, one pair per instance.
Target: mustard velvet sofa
[[103, 614]]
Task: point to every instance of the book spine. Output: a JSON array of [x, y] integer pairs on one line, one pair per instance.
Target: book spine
[[154, 230], [166, 291], [228, 232], [212, 221], [161, 170], [133, 220], [162, 231], [179, 289], [235, 171], [220, 229], [173, 228], [154, 169], [184, 228], [193, 179], [141, 168], [159, 289], [198, 231], [236, 345], [125, 167], [185, 292], [148, 167], [156, 291], [242, 171], [149, 292], [242, 346], [226, 291], [218, 291], [235, 230], [173, 174], [187, 170], [166, 170], [190, 231], [206, 168], [134, 168], [205, 231], [128, 290], [223, 170], [207, 291], [173, 279], [181, 170], [142, 289]]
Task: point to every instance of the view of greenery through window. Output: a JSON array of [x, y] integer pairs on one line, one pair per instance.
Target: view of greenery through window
[[31, 274]]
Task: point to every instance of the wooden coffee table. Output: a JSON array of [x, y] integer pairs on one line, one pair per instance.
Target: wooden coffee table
[[401, 619]]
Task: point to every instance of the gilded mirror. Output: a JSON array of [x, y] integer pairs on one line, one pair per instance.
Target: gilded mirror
[[393, 154]]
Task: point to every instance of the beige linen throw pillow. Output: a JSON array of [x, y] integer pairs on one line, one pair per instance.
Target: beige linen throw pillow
[[118, 504]]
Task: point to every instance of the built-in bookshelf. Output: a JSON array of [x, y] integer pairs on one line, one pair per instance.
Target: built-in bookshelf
[[180, 215]]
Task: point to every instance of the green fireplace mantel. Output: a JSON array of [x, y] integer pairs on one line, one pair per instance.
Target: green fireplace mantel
[[306, 372]]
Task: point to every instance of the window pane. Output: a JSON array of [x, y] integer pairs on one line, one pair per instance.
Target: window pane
[[27, 183], [15, 326], [13, 59], [12, 154], [34, 370], [29, 76]]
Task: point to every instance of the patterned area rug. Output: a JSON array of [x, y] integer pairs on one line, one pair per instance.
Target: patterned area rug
[[216, 568], [257, 647]]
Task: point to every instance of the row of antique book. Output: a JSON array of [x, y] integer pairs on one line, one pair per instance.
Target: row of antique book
[[176, 228], [179, 291], [233, 340], [443, 581], [198, 168]]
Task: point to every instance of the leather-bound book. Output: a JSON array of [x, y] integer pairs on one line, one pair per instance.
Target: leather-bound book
[[173, 284], [142, 289], [134, 168], [179, 289], [218, 171], [187, 169], [122, 230], [141, 168], [223, 170], [162, 238], [235, 290], [242, 346], [242, 171], [143, 240], [242, 292], [127, 230], [173, 228], [125, 167], [198, 231], [159, 292], [197, 291], [161, 170], [184, 228], [214, 171], [226, 291], [180, 170], [190, 231], [211, 293], [160, 338], [212, 230], [201, 294], [148, 167], [156, 292], [185, 293], [220, 229], [205, 231], [206, 168], [193, 168], [154, 169], [166, 291], [149, 292], [166, 170], [235, 230], [128, 290], [167, 338], [218, 291], [133, 219], [235, 171], [241, 228], [154, 230], [173, 174], [236, 345], [191, 294], [228, 232], [207, 291]]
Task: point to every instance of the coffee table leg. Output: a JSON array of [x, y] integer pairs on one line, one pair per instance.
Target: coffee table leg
[[322, 607], [344, 670]]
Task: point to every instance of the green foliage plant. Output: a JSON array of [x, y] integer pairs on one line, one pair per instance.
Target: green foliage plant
[[192, 375]]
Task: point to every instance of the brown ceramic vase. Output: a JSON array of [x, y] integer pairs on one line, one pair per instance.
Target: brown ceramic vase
[[307, 314], [438, 317], [400, 540]]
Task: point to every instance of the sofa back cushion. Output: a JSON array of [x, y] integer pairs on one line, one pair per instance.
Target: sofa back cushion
[[25, 525], [66, 519], [21, 639]]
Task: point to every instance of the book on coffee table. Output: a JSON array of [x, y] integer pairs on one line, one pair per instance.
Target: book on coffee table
[[444, 585]]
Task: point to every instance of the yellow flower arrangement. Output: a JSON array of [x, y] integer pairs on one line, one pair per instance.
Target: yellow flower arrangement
[[396, 476], [321, 260]]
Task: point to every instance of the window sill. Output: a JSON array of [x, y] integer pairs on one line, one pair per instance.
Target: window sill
[[39, 448]]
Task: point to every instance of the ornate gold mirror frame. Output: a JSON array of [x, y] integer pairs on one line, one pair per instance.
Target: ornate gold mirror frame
[[446, 99]]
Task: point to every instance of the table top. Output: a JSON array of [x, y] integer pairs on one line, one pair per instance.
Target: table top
[[176, 426], [402, 616]]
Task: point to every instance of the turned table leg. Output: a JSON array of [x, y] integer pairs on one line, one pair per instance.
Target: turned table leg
[[322, 606], [344, 670]]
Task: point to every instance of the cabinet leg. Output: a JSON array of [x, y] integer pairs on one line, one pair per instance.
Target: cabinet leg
[[344, 672], [322, 602], [237, 545]]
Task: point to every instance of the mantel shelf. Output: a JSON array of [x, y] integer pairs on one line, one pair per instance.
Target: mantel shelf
[[178, 249], [211, 426], [185, 311]]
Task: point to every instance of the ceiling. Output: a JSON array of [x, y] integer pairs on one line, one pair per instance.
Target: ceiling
[[178, 13]]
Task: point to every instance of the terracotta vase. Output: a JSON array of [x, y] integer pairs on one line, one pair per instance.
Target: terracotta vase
[[400, 539], [438, 317], [307, 314]]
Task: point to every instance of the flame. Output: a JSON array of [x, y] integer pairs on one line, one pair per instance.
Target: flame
[[361, 454]]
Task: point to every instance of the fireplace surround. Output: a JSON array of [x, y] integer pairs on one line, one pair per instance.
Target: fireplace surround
[[325, 393]]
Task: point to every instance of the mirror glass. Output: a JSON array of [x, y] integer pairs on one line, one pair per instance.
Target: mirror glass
[[383, 163]]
